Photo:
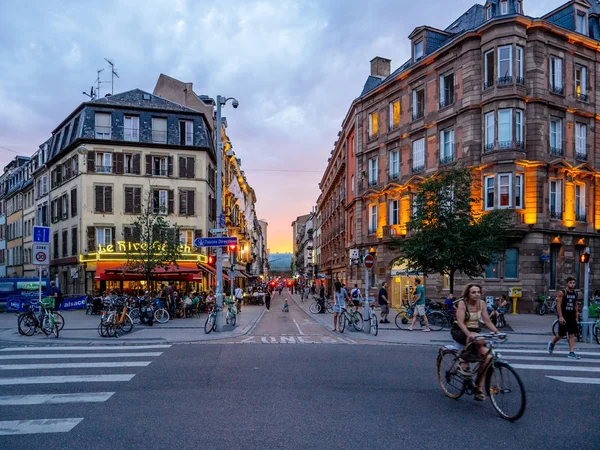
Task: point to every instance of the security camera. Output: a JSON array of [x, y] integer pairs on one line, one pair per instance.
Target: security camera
[[235, 103]]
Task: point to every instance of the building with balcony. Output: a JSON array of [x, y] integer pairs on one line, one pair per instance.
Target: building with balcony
[[512, 96], [304, 228]]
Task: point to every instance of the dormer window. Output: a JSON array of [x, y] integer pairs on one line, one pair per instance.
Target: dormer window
[[504, 7], [418, 50], [581, 23], [518, 7], [488, 13]]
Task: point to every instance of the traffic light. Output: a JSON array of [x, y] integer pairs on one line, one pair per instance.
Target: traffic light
[[211, 260], [584, 258], [232, 248]]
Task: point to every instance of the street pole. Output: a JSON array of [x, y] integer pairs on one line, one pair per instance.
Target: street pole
[[219, 287], [40, 284], [367, 309], [586, 296]]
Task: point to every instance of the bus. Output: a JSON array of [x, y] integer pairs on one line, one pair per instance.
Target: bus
[[18, 290]]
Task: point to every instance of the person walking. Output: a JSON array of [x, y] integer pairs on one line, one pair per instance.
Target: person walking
[[268, 300], [355, 295], [568, 318], [322, 299], [419, 303], [239, 296], [305, 293], [383, 303], [339, 297], [56, 294]]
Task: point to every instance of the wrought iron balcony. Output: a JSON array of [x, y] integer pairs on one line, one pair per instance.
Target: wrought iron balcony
[[394, 175], [372, 182], [580, 217], [446, 102], [557, 89], [446, 159], [160, 172], [372, 230], [502, 81], [556, 151], [103, 169], [417, 115], [489, 147], [521, 81], [488, 84], [520, 144], [581, 156], [582, 97], [556, 214], [418, 169], [503, 145]]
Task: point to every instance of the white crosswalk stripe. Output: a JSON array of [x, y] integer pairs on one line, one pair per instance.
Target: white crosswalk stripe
[[63, 371]]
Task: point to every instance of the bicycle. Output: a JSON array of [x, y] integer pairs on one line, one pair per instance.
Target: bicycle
[[350, 316], [315, 307], [49, 321], [161, 315], [437, 320], [112, 322], [30, 321], [211, 320], [579, 330], [373, 320], [544, 305], [500, 378], [231, 316]]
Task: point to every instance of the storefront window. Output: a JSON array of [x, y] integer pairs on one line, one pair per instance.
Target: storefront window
[[491, 270]]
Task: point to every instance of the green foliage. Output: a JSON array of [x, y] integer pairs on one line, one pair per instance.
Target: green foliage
[[447, 234]]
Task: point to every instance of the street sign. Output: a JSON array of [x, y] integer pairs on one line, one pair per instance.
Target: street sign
[[369, 261], [545, 257], [215, 242], [222, 220], [41, 254], [218, 230], [41, 235]]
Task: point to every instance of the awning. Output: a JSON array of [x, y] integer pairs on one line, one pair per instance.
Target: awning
[[239, 274], [112, 270]]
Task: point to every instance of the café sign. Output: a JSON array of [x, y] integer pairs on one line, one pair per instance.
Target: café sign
[[133, 247]]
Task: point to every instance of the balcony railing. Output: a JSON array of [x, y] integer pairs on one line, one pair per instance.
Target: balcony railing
[[417, 115], [394, 175], [372, 137], [489, 147], [446, 102], [102, 132], [418, 169], [503, 145], [581, 217], [581, 156], [556, 214], [556, 151], [557, 89], [160, 172], [446, 159], [159, 137], [488, 84], [103, 169], [521, 81], [505, 80], [392, 230], [372, 182], [520, 144], [582, 97]]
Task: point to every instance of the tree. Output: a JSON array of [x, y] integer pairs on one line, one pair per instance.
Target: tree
[[449, 235], [153, 240]]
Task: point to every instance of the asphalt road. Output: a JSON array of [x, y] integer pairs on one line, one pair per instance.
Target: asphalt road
[[328, 394]]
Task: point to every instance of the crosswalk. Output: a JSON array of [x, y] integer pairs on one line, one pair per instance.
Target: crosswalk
[[557, 366], [75, 368]]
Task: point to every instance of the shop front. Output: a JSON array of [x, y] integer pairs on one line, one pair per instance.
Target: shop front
[[402, 283]]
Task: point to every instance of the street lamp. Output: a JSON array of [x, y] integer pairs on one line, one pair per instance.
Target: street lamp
[[221, 101]]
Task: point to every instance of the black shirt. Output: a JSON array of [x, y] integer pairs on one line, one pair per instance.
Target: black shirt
[[382, 293], [569, 304]]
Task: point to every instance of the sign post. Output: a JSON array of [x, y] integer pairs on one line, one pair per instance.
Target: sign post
[[369, 262], [41, 255], [585, 259]]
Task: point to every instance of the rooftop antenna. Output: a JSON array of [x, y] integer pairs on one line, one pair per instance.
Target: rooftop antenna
[[98, 82], [113, 74], [91, 95]]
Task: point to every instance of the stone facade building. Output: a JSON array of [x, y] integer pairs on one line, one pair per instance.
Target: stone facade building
[[513, 97]]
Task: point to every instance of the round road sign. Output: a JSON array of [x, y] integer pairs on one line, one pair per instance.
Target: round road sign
[[369, 261], [40, 257]]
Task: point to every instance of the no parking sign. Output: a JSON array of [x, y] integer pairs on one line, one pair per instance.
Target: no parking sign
[[41, 254]]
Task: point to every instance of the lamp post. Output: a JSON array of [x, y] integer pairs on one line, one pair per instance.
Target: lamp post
[[221, 101]]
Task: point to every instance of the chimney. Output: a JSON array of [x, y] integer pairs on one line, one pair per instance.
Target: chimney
[[381, 67]]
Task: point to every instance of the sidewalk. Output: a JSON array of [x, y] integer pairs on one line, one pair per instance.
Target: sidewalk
[[83, 329], [523, 329]]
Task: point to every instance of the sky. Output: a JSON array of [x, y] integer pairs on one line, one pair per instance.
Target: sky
[[295, 66]]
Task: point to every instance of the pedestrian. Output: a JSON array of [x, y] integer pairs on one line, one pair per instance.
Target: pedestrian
[[383, 303], [355, 295], [268, 300], [56, 294], [170, 300], [305, 293], [568, 318], [419, 305], [339, 299], [239, 296], [322, 299]]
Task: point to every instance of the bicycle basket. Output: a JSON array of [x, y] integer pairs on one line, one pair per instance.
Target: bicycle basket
[[47, 302]]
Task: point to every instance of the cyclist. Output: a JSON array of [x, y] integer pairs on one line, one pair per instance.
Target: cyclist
[[355, 294], [339, 299], [568, 318], [469, 310]]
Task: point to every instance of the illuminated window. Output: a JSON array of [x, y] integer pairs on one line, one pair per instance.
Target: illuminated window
[[555, 200], [488, 194], [186, 237], [491, 270], [519, 191], [373, 124], [504, 190], [394, 217], [394, 115], [581, 83]]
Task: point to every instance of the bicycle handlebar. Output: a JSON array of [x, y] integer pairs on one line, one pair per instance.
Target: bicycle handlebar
[[495, 336]]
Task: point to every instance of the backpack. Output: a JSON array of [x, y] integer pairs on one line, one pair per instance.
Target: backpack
[[355, 293]]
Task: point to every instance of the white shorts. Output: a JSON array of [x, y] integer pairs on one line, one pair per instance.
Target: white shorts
[[420, 310]]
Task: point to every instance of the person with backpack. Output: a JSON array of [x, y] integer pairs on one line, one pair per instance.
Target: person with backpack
[[56, 294], [356, 297]]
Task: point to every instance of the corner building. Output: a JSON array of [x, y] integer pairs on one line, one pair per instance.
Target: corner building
[[512, 96]]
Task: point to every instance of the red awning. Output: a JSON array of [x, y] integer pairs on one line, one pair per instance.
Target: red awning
[[185, 271]]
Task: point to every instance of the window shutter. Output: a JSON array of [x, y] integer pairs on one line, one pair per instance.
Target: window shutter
[[136, 164], [118, 163], [108, 199], [113, 237], [171, 209], [191, 205], [128, 200], [170, 166], [127, 233], [59, 170], [137, 200], [91, 236], [190, 168], [91, 162], [148, 165], [182, 203], [73, 202], [197, 234], [182, 167], [213, 207], [99, 194], [67, 170]]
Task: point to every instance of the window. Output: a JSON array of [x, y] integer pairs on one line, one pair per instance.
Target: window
[[65, 207], [491, 269], [127, 163], [418, 155], [187, 206], [133, 200], [489, 192], [519, 191], [556, 75], [65, 243], [55, 245], [373, 124], [187, 167], [352, 184], [186, 132], [73, 202], [372, 219], [581, 23], [447, 146], [556, 136], [160, 201], [555, 199], [581, 83], [488, 13], [131, 234], [489, 68], [74, 237], [446, 90], [394, 206], [519, 71], [580, 141], [104, 236], [503, 7], [505, 128], [580, 202], [520, 129], [518, 6], [394, 115], [505, 64], [186, 237], [511, 263], [160, 166], [159, 130], [373, 169], [103, 195], [104, 162], [418, 50], [504, 190], [132, 128], [490, 131], [394, 164], [418, 103], [102, 125]]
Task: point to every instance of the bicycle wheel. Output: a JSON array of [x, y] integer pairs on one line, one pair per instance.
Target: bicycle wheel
[[436, 320], [402, 321], [210, 322], [135, 316], [357, 321], [555, 328], [341, 323], [60, 320], [597, 333], [233, 320], [55, 327], [329, 307], [315, 308], [27, 324], [127, 324], [506, 391], [543, 309], [451, 382], [47, 326], [374, 325], [161, 315]]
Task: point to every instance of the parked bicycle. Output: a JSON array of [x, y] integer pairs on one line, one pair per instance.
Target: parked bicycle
[[211, 320], [545, 304], [29, 321], [373, 320], [352, 317], [315, 307], [232, 312], [403, 319], [456, 372], [161, 315], [113, 322]]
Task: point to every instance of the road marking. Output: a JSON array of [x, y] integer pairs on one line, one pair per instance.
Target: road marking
[[86, 347], [296, 340], [516, 350], [85, 365], [67, 379], [549, 358], [79, 355], [562, 368], [576, 380], [298, 326], [13, 427], [89, 397]]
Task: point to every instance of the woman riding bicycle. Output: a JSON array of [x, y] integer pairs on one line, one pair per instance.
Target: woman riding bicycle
[[469, 310]]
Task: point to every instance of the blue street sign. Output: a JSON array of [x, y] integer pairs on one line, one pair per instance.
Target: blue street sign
[[545, 257], [215, 242], [222, 220], [41, 235]]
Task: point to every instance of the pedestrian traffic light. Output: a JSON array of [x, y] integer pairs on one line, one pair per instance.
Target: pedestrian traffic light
[[585, 256], [232, 247], [211, 260]]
